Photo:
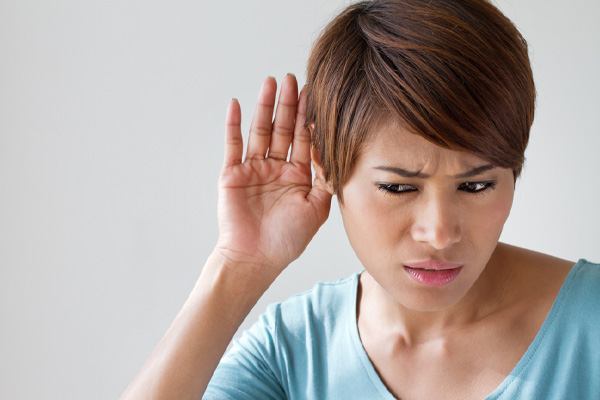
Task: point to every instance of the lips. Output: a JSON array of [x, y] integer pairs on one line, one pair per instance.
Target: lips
[[433, 273], [433, 265]]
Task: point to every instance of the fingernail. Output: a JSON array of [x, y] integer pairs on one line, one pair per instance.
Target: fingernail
[[291, 74]]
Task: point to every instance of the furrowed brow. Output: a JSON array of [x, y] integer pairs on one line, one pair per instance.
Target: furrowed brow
[[402, 172], [475, 171], [418, 174]]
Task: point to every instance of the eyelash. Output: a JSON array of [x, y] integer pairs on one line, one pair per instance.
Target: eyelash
[[398, 189]]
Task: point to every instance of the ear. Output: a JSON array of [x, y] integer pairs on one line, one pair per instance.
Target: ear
[[316, 164], [320, 172]]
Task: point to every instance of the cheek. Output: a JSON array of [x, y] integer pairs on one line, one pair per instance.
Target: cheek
[[491, 218], [501, 208], [359, 217], [373, 227]]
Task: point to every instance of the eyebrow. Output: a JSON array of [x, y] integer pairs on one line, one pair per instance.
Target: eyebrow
[[418, 174]]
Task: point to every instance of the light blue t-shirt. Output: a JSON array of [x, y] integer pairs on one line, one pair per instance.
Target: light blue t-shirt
[[308, 347]]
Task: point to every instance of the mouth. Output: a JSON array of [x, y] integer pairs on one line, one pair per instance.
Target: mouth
[[433, 273], [431, 265]]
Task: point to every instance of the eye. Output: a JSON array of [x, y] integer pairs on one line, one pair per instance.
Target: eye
[[396, 188], [476, 187]]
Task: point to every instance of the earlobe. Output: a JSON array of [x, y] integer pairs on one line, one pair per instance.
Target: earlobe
[[320, 172]]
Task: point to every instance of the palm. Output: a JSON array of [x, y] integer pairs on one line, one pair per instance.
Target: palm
[[268, 207]]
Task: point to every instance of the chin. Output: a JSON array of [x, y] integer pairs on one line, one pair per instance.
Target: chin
[[432, 299], [431, 303]]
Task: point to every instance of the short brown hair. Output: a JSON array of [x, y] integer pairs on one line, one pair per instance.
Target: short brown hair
[[455, 72]]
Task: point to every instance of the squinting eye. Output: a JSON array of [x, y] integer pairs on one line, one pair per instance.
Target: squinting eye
[[397, 188], [474, 187]]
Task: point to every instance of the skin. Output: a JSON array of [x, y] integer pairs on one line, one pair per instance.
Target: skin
[[462, 339], [413, 335], [258, 195], [393, 220], [454, 354]]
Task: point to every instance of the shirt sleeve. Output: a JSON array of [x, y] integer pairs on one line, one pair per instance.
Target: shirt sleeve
[[250, 370]]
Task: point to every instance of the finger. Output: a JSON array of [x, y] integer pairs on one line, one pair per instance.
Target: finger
[[234, 144], [301, 141], [283, 126], [260, 129]]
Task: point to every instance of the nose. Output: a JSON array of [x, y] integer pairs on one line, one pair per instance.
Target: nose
[[436, 222]]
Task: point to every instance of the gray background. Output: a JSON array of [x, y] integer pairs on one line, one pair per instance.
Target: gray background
[[111, 117]]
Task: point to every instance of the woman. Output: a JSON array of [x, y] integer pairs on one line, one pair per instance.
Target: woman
[[419, 115]]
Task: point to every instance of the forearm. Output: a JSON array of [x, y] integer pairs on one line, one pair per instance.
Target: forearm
[[183, 362]]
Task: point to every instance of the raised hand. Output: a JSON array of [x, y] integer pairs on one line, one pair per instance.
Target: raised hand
[[268, 212], [269, 209]]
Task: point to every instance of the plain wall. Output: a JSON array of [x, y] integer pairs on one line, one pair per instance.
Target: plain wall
[[111, 121]]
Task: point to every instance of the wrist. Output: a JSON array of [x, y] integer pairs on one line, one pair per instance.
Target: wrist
[[245, 279], [253, 267]]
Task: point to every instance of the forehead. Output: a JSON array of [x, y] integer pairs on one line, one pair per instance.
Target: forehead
[[394, 145]]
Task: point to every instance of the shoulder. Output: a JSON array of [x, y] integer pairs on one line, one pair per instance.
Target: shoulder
[[577, 286], [525, 258], [563, 361], [323, 295], [320, 306], [292, 337], [586, 272], [316, 310], [582, 290], [534, 282], [571, 288], [548, 271], [531, 273]]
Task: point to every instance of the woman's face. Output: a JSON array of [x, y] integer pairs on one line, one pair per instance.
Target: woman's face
[[422, 219]]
